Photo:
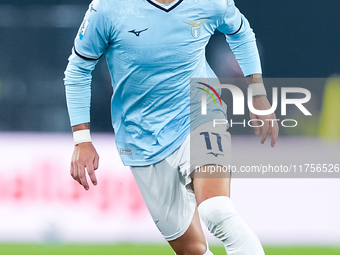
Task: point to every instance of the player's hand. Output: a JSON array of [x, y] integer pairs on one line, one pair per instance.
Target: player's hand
[[269, 127], [85, 158]]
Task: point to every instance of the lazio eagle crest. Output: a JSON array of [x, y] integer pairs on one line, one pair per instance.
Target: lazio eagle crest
[[195, 29]]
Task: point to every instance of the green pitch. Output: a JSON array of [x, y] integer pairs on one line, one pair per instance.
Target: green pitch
[[128, 249]]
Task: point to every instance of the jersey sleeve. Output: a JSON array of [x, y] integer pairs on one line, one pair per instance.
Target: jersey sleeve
[[90, 44], [78, 88], [241, 39], [93, 35]]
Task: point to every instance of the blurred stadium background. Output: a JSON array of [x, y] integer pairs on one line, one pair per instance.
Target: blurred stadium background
[[40, 204]]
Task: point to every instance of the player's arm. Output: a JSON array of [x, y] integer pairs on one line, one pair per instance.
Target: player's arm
[[78, 97], [90, 44], [242, 42]]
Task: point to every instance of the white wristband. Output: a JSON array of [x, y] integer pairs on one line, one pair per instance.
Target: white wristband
[[81, 136], [258, 89]]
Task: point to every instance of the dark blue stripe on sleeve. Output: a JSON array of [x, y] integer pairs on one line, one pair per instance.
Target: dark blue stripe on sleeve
[[238, 30], [86, 58]]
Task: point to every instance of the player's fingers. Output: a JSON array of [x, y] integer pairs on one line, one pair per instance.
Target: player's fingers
[[265, 130], [274, 133], [90, 171], [255, 123], [74, 172], [96, 162], [256, 126], [273, 136], [82, 176]]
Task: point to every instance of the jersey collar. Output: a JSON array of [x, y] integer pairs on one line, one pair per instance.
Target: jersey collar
[[165, 7]]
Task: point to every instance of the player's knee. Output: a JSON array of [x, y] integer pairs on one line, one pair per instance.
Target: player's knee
[[196, 248], [215, 211], [199, 248]]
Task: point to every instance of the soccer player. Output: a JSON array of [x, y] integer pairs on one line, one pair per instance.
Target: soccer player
[[153, 48]]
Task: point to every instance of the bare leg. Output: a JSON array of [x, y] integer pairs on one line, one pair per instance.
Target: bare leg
[[206, 188]]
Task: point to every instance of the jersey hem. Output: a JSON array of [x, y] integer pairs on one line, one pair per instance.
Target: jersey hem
[[159, 157]]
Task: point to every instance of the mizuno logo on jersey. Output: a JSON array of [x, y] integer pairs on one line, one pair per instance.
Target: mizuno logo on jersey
[[195, 29], [92, 9], [215, 154], [137, 33]]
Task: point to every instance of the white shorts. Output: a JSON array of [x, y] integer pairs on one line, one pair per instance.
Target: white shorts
[[167, 185]]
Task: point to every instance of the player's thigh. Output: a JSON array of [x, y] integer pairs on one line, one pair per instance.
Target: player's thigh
[[210, 151], [206, 188], [211, 158], [170, 204]]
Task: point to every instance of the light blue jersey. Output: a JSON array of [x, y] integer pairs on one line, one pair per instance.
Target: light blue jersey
[[152, 51]]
